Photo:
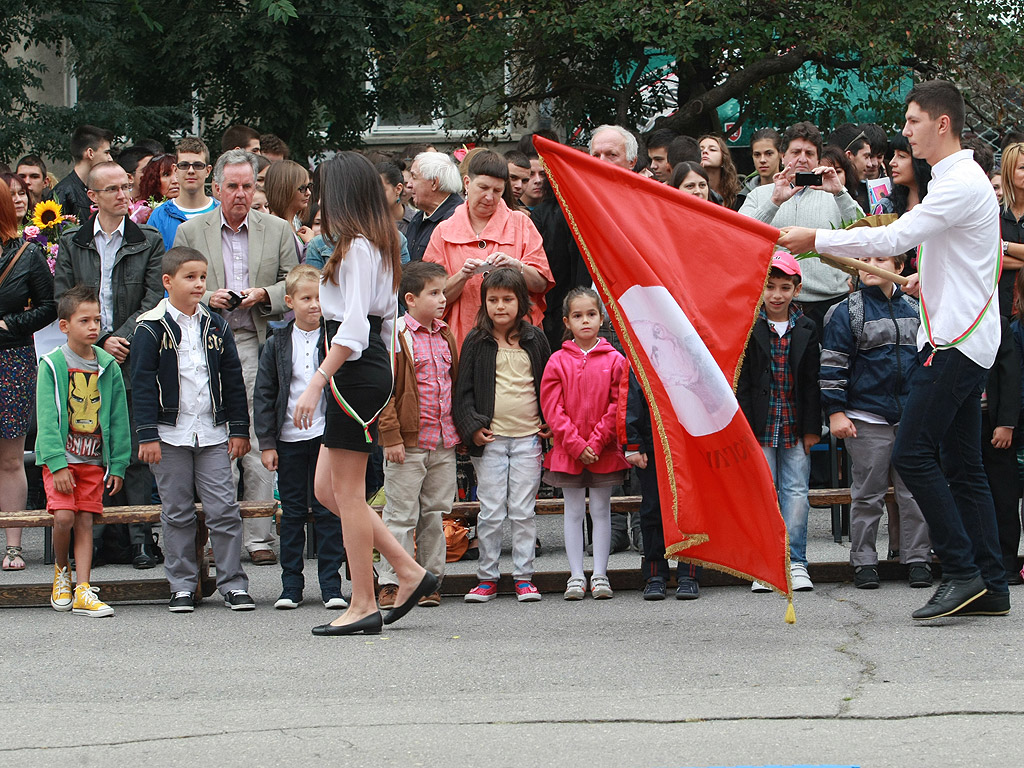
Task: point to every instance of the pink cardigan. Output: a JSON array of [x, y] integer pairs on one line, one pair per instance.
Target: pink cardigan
[[579, 398]]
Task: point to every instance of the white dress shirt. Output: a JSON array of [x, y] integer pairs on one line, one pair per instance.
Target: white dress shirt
[[363, 289], [107, 244], [957, 225], [304, 365], [194, 426]]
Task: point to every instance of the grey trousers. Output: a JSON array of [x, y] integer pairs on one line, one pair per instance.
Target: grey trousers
[[870, 466], [182, 473], [258, 532]]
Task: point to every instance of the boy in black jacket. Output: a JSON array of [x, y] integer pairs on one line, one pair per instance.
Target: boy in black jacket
[[288, 363], [193, 421], [778, 392]]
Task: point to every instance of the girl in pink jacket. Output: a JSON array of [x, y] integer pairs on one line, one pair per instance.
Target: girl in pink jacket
[[579, 398]]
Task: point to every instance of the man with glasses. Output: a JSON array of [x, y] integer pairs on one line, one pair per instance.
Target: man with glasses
[[249, 253], [122, 261], [89, 146], [193, 168]]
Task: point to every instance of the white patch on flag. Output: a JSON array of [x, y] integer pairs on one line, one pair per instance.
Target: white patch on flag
[[701, 397]]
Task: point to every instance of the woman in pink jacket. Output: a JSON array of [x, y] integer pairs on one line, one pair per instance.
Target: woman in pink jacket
[[579, 398]]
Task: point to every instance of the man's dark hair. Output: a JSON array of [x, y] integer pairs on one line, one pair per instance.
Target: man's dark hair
[[75, 297], [525, 144], [179, 255], [237, 136], [417, 274], [660, 138], [129, 158], [1012, 137], [32, 160], [802, 130], [88, 137], [518, 159], [274, 144], [683, 148], [876, 137], [937, 98], [488, 163], [842, 135], [983, 154], [154, 146], [409, 151]]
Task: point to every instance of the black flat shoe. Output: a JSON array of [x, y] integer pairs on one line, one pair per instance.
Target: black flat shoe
[[427, 585], [368, 625]]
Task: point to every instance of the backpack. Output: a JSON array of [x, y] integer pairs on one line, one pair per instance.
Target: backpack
[[855, 305], [456, 538]]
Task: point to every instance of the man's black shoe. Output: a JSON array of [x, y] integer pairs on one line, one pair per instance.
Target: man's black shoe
[[919, 575], [141, 560], [866, 577], [989, 604], [951, 596]]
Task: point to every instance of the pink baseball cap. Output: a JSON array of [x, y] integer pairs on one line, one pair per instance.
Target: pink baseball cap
[[784, 260]]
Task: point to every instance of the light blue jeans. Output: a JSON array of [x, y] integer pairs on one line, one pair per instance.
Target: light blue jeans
[[508, 477], [791, 473]]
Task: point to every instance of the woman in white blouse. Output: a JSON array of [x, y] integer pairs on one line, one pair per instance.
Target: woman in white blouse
[[359, 300]]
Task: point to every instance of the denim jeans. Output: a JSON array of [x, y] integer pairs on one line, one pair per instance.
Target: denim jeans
[[296, 466], [791, 473], [942, 421], [508, 476]]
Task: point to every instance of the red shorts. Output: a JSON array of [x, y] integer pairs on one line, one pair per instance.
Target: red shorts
[[86, 496]]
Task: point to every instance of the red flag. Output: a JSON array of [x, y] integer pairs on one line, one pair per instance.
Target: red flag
[[682, 279]]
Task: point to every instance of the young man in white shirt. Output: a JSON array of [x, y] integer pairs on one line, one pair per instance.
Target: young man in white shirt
[[957, 226]]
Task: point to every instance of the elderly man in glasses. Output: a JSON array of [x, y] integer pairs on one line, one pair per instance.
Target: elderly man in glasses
[[122, 260], [192, 168], [249, 253]]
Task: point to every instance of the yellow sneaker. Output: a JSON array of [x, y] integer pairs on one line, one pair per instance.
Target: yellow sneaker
[[87, 604], [61, 595]]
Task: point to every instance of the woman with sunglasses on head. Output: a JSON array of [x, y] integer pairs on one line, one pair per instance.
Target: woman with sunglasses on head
[[288, 189]]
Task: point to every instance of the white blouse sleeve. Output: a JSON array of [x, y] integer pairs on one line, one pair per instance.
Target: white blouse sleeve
[[357, 283]]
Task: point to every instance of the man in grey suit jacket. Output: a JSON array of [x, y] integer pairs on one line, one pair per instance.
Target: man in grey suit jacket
[[248, 255]]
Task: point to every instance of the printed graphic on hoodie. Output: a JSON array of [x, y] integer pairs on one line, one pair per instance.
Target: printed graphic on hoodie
[[84, 443]]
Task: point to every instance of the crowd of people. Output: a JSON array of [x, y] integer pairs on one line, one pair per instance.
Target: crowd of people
[[251, 319]]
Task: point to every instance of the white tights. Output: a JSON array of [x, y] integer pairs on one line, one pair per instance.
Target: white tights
[[575, 517]]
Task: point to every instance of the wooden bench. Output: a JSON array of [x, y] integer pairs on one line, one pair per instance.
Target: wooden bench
[[121, 591]]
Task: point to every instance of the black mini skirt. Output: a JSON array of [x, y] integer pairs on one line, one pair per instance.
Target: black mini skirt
[[361, 388]]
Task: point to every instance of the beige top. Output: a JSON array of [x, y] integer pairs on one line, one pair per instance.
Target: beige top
[[516, 411]]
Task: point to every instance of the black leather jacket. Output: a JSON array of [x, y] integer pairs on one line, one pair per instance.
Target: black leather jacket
[[29, 284]]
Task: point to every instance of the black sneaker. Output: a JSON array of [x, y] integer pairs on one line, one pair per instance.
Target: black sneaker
[[141, 559], [952, 596], [866, 577], [654, 589], [182, 602], [920, 575], [989, 604], [239, 600], [687, 589]]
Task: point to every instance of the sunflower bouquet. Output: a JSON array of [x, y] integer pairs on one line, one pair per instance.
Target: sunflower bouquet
[[48, 223]]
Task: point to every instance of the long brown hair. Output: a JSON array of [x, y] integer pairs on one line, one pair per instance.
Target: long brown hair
[[8, 217], [352, 203], [508, 278], [728, 179]]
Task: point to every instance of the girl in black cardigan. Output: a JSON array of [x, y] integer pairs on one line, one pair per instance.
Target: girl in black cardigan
[[496, 408]]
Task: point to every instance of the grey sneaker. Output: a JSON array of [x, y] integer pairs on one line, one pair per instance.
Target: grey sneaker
[[575, 588], [239, 600], [600, 588]]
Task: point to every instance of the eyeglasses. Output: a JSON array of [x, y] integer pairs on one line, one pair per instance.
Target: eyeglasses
[[198, 166], [305, 188], [126, 188]]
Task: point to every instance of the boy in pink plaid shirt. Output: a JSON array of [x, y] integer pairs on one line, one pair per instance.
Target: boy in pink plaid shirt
[[417, 430]]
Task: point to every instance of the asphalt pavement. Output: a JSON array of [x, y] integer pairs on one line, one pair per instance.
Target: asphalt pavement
[[720, 681]]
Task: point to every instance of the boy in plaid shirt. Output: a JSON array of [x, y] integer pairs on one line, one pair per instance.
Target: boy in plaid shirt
[[779, 394], [417, 430]]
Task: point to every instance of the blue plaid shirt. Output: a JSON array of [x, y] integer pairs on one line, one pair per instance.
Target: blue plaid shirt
[[780, 429]]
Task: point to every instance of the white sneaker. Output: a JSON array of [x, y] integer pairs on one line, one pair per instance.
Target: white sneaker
[[757, 586], [801, 581], [575, 588], [600, 588], [336, 603]]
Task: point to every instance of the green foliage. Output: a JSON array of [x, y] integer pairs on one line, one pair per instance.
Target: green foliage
[[595, 58]]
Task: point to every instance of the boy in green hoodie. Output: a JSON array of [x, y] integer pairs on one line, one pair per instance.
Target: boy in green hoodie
[[83, 442]]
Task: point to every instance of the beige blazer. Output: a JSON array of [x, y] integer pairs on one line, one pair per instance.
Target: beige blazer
[[271, 256]]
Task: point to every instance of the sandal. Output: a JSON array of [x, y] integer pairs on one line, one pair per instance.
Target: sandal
[[13, 561]]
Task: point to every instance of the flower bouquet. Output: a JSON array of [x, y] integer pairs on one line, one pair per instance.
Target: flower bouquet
[[48, 224]]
